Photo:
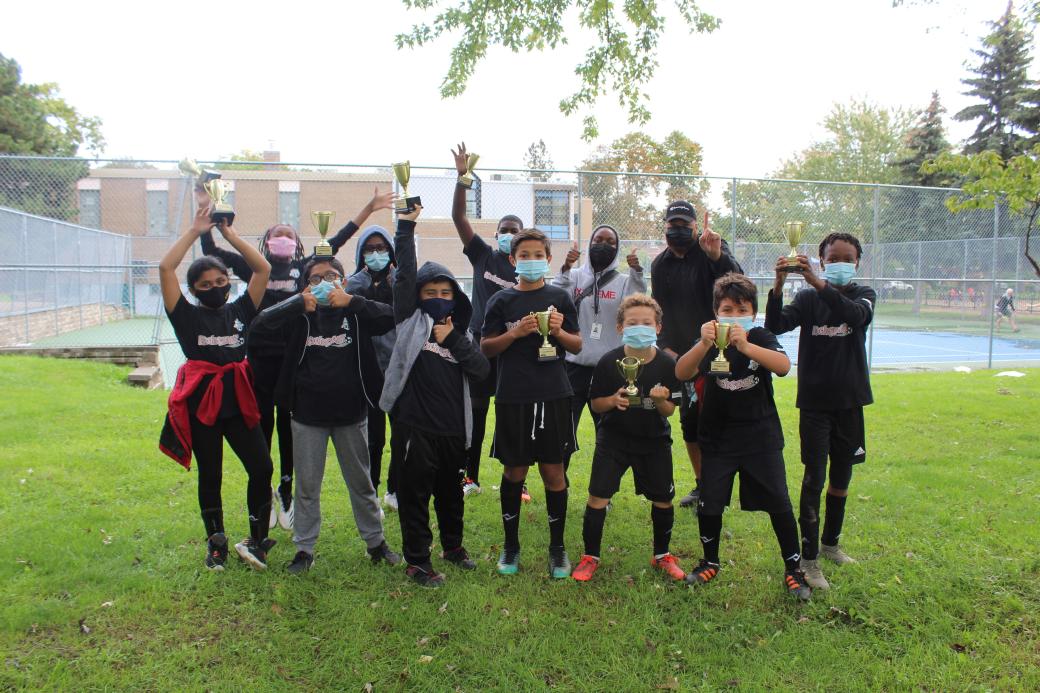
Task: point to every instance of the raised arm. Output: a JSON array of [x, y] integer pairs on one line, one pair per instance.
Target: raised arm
[[458, 204], [689, 363], [379, 201], [406, 296], [235, 262], [781, 318], [257, 263], [171, 286]]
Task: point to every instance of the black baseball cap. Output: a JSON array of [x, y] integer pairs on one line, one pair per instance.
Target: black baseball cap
[[680, 209]]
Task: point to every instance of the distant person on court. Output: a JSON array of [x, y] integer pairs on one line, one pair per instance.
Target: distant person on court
[[1005, 308], [833, 387], [212, 398]]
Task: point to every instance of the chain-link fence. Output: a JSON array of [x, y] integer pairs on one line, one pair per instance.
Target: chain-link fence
[[938, 275]]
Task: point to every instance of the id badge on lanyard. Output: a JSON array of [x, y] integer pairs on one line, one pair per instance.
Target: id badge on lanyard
[[597, 331]]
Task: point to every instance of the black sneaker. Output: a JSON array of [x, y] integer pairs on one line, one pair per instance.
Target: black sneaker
[[253, 554], [384, 553], [460, 558], [690, 499], [797, 585], [704, 573], [216, 551], [425, 576], [300, 563]]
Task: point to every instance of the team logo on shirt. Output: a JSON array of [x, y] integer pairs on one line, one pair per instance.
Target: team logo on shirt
[[238, 325], [842, 330], [337, 341], [495, 279], [346, 324], [435, 348], [752, 365], [738, 385], [281, 284], [294, 273], [231, 340]]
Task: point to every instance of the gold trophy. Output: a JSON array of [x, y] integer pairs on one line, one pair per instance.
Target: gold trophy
[[466, 179], [719, 364], [546, 352], [222, 211], [403, 174], [630, 367], [190, 168], [794, 231], [322, 221]]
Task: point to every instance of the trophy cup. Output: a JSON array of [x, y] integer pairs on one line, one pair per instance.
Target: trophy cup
[[222, 211], [719, 364], [794, 231], [190, 168], [466, 179], [546, 352], [630, 367], [322, 221], [405, 204]]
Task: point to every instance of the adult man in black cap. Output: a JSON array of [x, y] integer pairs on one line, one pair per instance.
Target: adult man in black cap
[[681, 279]]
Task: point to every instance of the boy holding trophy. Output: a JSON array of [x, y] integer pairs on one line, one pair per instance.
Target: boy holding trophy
[[739, 428], [634, 390], [524, 327]]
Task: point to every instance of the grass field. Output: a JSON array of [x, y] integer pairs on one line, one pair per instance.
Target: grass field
[[102, 583]]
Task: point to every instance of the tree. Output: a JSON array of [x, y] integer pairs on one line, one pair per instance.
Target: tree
[[252, 161], [633, 204], [622, 57], [538, 161], [1005, 90], [924, 142]]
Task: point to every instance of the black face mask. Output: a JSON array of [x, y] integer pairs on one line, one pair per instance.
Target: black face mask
[[679, 236], [601, 255], [215, 297]]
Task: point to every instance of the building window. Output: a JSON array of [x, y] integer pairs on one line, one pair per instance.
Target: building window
[[90, 208], [158, 218], [473, 199], [552, 212], [289, 209]]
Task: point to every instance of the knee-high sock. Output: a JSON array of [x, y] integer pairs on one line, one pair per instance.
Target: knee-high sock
[[711, 530], [511, 512], [834, 519], [662, 520], [809, 520], [592, 530], [556, 508], [786, 530]]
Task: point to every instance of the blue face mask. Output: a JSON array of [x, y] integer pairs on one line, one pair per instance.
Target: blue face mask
[[745, 321], [532, 270], [505, 242], [839, 273], [377, 261], [639, 336], [437, 308], [322, 291]]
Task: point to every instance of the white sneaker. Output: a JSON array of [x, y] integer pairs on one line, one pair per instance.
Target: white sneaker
[[813, 575], [276, 504], [285, 517], [834, 553], [390, 501]]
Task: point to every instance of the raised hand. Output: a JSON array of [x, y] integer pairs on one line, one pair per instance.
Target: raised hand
[[572, 256], [442, 330], [381, 200], [411, 216], [310, 301], [710, 242], [338, 298], [201, 223], [633, 260], [461, 158]]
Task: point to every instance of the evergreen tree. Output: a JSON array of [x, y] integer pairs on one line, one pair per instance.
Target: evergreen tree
[[926, 141], [538, 161]]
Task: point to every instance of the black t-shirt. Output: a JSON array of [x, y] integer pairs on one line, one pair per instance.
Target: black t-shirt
[[328, 382], [492, 272], [634, 428], [217, 336], [432, 397], [739, 415], [522, 378]]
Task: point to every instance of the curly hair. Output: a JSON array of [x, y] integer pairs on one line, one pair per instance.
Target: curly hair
[[847, 237], [638, 301]]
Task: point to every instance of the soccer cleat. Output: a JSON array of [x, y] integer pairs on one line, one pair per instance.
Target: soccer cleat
[[586, 568], [691, 498], [384, 553], [835, 554], [525, 495], [460, 558], [669, 565], [276, 502], [300, 563], [813, 574], [470, 487], [254, 556], [216, 551], [425, 576], [285, 515], [559, 564], [704, 573], [390, 501], [508, 562], [797, 585]]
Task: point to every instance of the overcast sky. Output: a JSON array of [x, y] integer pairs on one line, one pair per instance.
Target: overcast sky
[[324, 82]]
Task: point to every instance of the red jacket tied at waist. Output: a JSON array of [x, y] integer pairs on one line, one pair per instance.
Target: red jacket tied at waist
[[175, 439]]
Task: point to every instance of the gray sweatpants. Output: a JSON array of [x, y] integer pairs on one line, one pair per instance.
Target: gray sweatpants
[[310, 444]]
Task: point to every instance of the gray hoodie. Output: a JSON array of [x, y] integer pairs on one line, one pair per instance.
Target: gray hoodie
[[611, 294], [360, 282]]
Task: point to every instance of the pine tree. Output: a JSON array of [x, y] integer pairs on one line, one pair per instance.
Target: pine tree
[[925, 142], [1005, 89], [538, 161]]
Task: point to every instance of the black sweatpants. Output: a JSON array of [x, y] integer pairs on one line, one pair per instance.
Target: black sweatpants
[[376, 442], [429, 465], [207, 444], [480, 406], [265, 377]]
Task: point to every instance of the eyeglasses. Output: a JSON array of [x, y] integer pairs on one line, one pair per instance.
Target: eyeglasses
[[329, 276], [375, 249]]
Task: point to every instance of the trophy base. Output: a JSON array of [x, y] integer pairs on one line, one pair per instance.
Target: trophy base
[[323, 250], [466, 181], [406, 205], [221, 214], [547, 353], [634, 400], [719, 368], [793, 269]]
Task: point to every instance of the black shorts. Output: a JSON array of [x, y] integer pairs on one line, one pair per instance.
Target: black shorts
[[485, 389], [534, 433], [763, 482], [838, 433], [651, 471], [690, 408]]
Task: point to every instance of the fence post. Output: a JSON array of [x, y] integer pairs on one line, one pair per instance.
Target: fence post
[[25, 272], [993, 280], [580, 204], [874, 271], [79, 273], [54, 244], [733, 214]]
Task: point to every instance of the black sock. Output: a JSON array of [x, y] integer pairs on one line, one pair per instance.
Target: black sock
[[834, 519], [285, 491], [213, 520], [556, 509], [809, 520], [511, 512], [711, 529], [786, 530], [662, 519], [592, 529]]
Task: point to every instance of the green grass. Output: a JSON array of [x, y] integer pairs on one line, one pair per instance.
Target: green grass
[[103, 534]]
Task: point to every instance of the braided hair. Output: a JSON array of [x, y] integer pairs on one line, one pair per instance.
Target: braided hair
[[262, 244], [838, 236]]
